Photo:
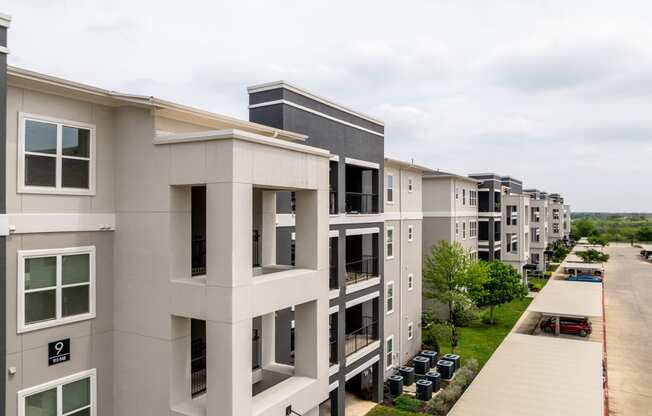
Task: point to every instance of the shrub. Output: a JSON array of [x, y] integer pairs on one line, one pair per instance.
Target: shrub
[[408, 403], [465, 312], [445, 400], [436, 335], [552, 267], [547, 275]]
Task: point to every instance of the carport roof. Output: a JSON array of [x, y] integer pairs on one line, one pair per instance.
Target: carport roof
[[562, 298], [536, 376]]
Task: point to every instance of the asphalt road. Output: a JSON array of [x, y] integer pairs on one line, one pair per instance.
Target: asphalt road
[[628, 310]]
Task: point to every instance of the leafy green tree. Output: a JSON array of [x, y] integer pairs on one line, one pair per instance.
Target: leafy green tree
[[449, 273], [584, 227], [593, 256], [601, 240], [503, 285], [644, 233]]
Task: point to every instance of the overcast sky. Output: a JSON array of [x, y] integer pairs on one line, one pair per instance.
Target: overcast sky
[[556, 93]]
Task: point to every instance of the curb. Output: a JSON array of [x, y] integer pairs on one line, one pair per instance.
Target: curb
[[604, 344]]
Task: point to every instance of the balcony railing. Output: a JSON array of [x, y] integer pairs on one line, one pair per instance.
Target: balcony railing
[[333, 346], [255, 350], [361, 270], [197, 367], [360, 338], [198, 252], [333, 278], [255, 240], [361, 203], [332, 205]]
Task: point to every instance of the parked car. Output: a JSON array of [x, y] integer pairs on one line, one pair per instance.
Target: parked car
[[584, 278], [574, 326]]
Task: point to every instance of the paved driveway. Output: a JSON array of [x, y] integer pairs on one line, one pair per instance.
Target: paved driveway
[[628, 301]]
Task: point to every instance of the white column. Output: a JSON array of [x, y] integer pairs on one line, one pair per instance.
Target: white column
[[312, 229], [268, 339], [269, 228]]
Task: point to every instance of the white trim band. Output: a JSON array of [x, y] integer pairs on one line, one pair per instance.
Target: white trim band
[[55, 223], [361, 231], [310, 110], [362, 299], [5, 20], [4, 49], [363, 366], [362, 163]]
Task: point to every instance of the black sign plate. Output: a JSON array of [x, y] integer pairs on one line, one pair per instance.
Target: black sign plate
[[59, 351]]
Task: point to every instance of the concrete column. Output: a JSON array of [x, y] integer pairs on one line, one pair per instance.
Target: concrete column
[[557, 325], [228, 234], [268, 228], [312, 229], [228, 368], [307, 337], [180, 360], [268, 339]]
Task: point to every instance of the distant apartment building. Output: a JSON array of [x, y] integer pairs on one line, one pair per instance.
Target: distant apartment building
[[538, 227], [375, 233], [490, 227], [556, 217], [516, 226], [450, 211], [566, 224]]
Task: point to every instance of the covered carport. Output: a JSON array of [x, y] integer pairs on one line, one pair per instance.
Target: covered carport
[[562, 299], [574, 265], [646, 250], [535, 376]]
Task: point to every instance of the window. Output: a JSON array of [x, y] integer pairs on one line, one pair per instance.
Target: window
[[410, 233], [464, 230], [389, 242], [473, 198], [69, 396], [389, 297], [463, 196], [555, 214], [473, 255], [389, 352], [410, 281], [536, 235], [410, 186], [390, 188], [457, 228], [410, 330], [512, 215], [535, 258], [55, 287], [555, 228], [535, 214], [457, 193], [56, 156], [473, 229]]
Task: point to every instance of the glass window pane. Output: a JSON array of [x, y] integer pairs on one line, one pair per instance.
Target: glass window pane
[[42, 404], [76, 142], [40, 306], [40, 272], [76, 394], [74, 268], [40, 137], [40, 170], [74, 173], [84, 412], [74, 300]]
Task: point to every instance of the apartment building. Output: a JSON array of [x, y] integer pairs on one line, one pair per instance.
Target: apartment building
[[403, 262], [490, 191], [132, 283], [556, 217], [516, 229], [450, 211], [538, 228], [375, 226], [4, 226]]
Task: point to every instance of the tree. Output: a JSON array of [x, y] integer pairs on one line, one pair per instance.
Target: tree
[[584, 227], [599, 240], [503, 285], [593, 256], [644, 233], [448, 274]]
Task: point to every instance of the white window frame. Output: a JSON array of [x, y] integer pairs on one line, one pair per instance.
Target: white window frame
[[410, 185], [387, 297], [457, 228], [473, 229], [22, 326], [390, 200], [410, 281], [473, 197], [58, 384], [389, 242], [389, 363], [410, 330], [464, 197], [463, 230], [410, 234], [57, 189]]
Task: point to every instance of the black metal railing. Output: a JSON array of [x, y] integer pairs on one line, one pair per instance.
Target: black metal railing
[[333, 346], [255, 350], [198, 252], [361, 203], [333, 280], [197, 367], [255, 249], [332, 203], [360, 338], [361, 270]]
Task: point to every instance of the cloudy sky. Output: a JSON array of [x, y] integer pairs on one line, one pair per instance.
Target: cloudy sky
[[557, 93]]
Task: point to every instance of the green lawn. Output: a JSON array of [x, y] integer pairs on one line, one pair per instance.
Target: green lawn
[[480, 340], [381, 410]]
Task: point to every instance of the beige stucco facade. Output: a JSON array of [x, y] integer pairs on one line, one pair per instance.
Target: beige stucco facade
[[516, 230]]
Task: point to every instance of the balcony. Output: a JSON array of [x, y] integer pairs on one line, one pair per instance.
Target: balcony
[[361, 203], [361, 270], [362, 337], [361, 196]]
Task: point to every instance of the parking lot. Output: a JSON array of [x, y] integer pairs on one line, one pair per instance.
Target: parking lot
[[628, 306]]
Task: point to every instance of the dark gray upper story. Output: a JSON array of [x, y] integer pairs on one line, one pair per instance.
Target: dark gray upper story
[[364, 142], [515, 186]]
